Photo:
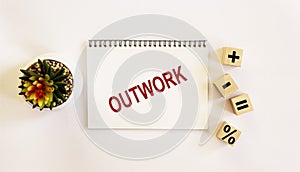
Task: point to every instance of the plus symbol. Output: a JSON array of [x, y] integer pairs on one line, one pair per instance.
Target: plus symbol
[[233, 57]]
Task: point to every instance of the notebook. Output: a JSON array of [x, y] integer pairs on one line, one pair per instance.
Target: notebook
[[147, 83]]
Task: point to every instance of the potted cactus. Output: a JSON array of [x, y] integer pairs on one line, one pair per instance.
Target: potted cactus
[[46, 84]]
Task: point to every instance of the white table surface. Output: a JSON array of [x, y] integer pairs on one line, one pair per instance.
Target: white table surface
[[268, 31]]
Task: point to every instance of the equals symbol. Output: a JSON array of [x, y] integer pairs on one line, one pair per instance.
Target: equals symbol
[[226, 85], [240, 105]]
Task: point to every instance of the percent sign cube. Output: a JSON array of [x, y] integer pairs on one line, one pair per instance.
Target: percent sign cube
[[227, 133]]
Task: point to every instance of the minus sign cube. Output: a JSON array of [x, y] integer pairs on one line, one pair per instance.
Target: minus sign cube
[[226, 85]]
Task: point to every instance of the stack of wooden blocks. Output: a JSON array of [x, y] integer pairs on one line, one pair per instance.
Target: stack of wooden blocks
[[227, 86]]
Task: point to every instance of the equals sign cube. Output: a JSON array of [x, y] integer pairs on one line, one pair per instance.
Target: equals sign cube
[[241, 104]]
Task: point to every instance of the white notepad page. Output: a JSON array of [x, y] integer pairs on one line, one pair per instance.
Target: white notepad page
[[122, 68]]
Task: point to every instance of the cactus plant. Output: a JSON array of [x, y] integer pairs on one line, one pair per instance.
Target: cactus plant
[[46, 84]]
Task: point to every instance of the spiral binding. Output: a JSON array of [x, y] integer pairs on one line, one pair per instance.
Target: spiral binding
[[146, 43]]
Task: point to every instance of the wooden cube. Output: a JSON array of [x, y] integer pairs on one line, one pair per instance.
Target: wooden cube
[[232, 56], [226, 85], [241, 104], [228, 134]]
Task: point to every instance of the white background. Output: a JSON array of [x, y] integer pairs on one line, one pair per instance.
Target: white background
[[268, 31]]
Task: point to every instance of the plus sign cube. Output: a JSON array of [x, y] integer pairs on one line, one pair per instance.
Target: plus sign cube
[[232, 56]]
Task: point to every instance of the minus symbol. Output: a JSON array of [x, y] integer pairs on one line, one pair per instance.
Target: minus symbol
[[226, 85]]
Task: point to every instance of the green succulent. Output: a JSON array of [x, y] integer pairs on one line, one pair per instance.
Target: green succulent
[[44, 88]]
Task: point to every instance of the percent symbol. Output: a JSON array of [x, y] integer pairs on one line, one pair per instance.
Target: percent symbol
[[228, 133], [227, 129]]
